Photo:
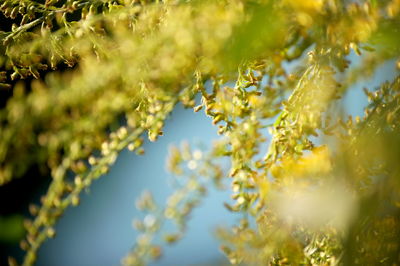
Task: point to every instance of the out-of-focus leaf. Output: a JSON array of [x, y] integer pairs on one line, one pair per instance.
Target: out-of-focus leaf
[[387, 38], [263, 32], [11, 228]]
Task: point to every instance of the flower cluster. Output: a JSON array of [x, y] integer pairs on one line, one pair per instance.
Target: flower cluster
[[86, 79]]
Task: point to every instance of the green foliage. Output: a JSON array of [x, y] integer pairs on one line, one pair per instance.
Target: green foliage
[[104, 72]]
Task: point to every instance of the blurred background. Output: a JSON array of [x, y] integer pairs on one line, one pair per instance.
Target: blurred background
[[99, 231]]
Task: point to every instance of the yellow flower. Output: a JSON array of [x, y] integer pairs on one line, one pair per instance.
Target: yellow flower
[[313, 165]]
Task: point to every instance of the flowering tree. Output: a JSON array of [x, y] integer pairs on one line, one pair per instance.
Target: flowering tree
[[102, 73]]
